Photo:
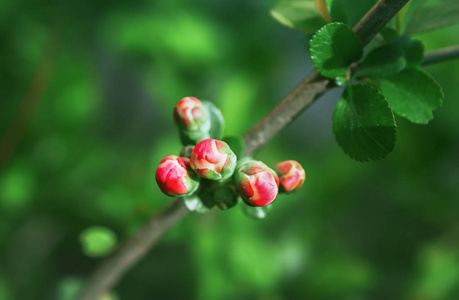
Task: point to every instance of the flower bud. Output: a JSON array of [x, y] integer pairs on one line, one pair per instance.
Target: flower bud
[[213, 159], [256, 183], [175, 177], [190, 115], [291, 175]]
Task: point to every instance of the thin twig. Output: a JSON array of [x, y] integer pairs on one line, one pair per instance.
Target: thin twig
[[109, 272], [441, 55], [376, 18]]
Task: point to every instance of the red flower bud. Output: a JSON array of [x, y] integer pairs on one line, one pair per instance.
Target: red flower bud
[[256, 183], [175, 177], [191, 115], [291, 175], [213, 159]]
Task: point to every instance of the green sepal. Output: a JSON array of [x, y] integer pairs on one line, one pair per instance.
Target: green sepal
[[192, 137], [194, 203], [217, 122], [236, 143], [256, 212], [226, 197]]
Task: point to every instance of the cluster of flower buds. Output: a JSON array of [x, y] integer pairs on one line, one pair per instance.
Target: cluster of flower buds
[[211, 165]]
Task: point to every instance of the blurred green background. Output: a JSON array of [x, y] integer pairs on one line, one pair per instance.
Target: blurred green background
[[87, 92]]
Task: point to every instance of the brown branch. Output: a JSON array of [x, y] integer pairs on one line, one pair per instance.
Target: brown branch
[[441, 55], [111, 270]]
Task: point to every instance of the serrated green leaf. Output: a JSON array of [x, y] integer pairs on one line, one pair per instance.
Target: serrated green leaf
[[216, 119], [413, 51], [433, 14], [333, 48], [412, 94], [236, 143], [256, 212], [302, 15], [97, 241], [350, 11], [363, 124], [382, 62]]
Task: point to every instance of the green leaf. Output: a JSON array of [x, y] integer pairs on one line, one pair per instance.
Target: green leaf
[[97, 241], [256, 212], [302, 15], [236, 143], [216, 120], [333, 48], [350, 11], [363, 124], [194, 203], [382, 62], [413, 94], [388, 34], [413, 51], [433, 14]]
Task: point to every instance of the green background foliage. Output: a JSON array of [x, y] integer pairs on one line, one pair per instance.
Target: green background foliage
[[87, 157]]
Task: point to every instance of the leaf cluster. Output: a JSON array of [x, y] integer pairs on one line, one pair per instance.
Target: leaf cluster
[[382, 79]]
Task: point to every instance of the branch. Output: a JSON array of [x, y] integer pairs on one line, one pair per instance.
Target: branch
[[111, 269], [311, 88], [376, 18], [280, 117], [441, 55]]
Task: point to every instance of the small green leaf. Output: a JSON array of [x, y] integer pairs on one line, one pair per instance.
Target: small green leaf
[[413, 94], [216, 120], [333, 48], [413, 51], [236, 143], [433, 14], [388, 34], [363, 124], [382, 62], [302, 15], [97, 241], [194, 203], [256, 212]]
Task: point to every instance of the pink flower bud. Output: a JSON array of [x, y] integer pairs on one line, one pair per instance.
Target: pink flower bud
[[191, 115], [256, 183], [213, 159], [175, 177], [291, 175]]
